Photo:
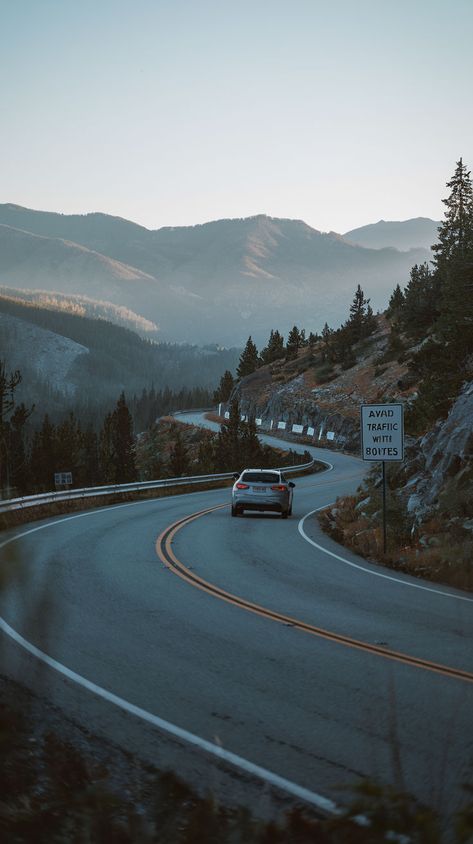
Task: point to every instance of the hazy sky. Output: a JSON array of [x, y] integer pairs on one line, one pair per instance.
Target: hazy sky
[[174, 112]]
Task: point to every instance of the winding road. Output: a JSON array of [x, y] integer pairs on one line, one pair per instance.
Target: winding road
[[302, 667]]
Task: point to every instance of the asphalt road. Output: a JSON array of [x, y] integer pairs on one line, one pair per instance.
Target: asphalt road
[[91, 592]]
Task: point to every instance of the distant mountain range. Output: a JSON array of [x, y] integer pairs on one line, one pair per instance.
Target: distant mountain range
[[403, 235], [217, 282]]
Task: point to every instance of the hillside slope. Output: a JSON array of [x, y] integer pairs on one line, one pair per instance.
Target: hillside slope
[[216, 282], [430, 495], [99, 359]]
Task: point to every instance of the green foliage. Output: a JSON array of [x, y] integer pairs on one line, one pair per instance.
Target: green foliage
[[123, 444], [178, 458], [294, 342], [118, 359], [421, 302], [360, 323], [275, 348], [13, 418], [437, 307], [248, 359], [455, 241], [224, 389], [396, 303]]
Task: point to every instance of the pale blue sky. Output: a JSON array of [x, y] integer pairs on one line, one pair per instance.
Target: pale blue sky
[[175, 112]]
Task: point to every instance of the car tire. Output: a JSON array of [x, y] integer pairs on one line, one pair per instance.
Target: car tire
[[234, 511], [289, 512], [284, 514]]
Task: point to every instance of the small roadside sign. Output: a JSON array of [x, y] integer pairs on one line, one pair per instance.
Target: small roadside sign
[[62, 478], [382, 432]]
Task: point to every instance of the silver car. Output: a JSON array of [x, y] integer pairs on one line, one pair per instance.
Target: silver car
[[262, 489]]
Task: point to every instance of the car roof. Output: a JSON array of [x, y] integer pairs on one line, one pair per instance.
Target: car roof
[[276, 471]]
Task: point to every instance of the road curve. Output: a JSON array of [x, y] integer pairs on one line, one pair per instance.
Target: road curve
[[91, 593]]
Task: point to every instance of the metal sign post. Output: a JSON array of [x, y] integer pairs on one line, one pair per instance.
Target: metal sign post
[[382, 438]]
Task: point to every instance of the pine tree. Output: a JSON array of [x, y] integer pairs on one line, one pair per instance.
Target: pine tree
[[327, 339], [454, 261], [360, 323], [68, 448], [456, 231], [224, 389], [248, 359], [229, 456], [293, 343], [251, 451], [123, 443], [19, 475], [275, 348], [421, 302], [179, 457], [396, 303], [106, 451], [43, 461], [8, 384]]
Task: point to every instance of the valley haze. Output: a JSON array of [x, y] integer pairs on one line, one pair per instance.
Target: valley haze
[[214, 282]]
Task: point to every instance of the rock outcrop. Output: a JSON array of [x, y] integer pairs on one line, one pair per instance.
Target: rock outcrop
[[440, 465]]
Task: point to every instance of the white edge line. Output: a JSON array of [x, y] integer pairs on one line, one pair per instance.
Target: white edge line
[[324, 804], [317, 800], [302, 532]]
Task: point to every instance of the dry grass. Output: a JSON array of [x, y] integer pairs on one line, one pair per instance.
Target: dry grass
[[436, 555]]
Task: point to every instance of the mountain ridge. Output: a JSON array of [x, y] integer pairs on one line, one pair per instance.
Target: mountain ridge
[[214, 282]]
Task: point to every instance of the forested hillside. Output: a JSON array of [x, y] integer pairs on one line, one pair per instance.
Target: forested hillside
[[419, 353], [103, 360]]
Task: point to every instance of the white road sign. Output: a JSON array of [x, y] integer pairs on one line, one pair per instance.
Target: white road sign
[[382, 431]]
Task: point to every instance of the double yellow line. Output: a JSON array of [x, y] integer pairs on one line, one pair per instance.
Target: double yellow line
[[166, 554]]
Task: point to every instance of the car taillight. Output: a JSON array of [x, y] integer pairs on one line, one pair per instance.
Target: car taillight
[[242, 486], [279, 488]]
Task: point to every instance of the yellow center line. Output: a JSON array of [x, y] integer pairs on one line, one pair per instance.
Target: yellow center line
[[167, 556]]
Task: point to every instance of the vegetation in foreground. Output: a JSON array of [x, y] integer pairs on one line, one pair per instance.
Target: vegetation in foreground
[[62, 784], [434, 552]]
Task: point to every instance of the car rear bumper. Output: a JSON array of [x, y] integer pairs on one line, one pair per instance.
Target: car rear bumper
[[276, 504]]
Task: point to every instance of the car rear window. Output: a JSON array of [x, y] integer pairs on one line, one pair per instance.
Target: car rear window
[[260, 477]]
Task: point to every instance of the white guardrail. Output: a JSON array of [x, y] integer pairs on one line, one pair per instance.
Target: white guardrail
[[97, 491]]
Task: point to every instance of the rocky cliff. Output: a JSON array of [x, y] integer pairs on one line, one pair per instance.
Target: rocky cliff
[[327, 398], [439, 469]]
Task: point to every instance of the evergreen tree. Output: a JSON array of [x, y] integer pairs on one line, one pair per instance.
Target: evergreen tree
[[293, 343], [441, 304], [396, 303], [251, 451], [361, 321], [341, 350], [248, 359], [123, 443], [19, 475], [178, 458], [43, 461], [68, 448], [454, 261], [275, 348], [8, 384], [229, 456], [327, 338], [456, 231], [207, 457], [224, 389], [90, 466], [421, 302], [106, 451]]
